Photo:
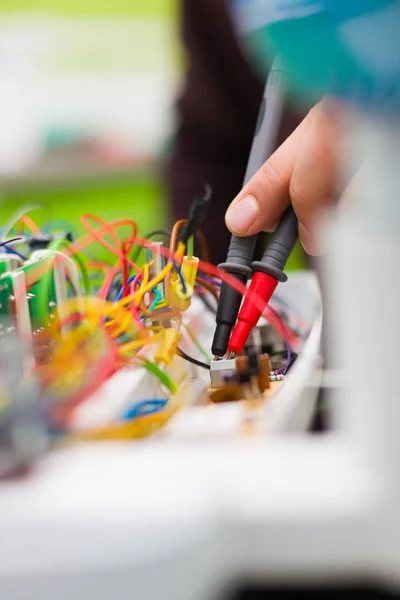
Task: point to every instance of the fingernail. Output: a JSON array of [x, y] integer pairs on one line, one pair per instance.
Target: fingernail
[[307, 240], [241, 217]]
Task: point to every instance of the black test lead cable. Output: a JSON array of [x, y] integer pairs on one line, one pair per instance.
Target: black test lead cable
[[241, 249]]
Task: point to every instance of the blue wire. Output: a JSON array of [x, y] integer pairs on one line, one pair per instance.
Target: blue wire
[[144, 407], [177, 269], [183, 283], [11, 250], [112, 289], [121, 291], [153, 304]]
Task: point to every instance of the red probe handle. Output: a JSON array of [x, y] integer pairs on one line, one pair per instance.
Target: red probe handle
[[263, 286]]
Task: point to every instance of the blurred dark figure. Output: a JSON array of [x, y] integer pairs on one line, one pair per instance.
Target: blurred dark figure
[[217, 113]]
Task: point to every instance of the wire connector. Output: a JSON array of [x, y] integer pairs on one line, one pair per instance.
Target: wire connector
[[177, 296], [168, 347], [189, 270]]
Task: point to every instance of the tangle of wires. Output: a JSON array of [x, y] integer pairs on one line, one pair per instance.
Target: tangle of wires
[[116, 313]]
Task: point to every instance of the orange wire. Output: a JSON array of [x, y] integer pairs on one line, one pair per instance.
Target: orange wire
[[234, 283], [30, 224], [174, 234], [231, 280]]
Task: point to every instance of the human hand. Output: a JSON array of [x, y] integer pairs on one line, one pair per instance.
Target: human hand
[[303, 170]]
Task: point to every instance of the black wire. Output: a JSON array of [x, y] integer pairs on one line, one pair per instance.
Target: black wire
[[158, 232], [197, 213], [12, 250], [16, 239], [148, 237], [192, 360]]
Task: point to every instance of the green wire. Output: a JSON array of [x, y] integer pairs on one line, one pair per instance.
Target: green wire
[[61, 243], [197, 343], [156, 299], [42, 294], [190, 247], [162, 376]]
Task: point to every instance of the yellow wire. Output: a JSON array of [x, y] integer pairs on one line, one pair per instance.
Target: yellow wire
[[145, 281], [81, 343], [127, 346], [153, 282]]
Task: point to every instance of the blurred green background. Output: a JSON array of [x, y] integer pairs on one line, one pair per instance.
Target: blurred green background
[[135, 192], [158, 8]]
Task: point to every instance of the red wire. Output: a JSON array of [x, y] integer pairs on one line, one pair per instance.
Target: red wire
[[73, 318], [109, 228], [107, 364], [105, 288], [235, 284], [125, 267], [203, 266], [135, 311]]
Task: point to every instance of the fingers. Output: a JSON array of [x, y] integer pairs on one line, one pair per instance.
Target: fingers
[[263, 199], [316, 172], [303, 171]]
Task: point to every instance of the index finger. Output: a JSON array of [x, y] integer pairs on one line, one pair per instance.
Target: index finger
[[263, 199]]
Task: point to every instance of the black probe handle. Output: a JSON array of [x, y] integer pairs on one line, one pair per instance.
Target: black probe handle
[[280, 246], [241, 249]]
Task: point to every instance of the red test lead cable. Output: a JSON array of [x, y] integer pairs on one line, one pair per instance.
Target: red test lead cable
[[267, 273]]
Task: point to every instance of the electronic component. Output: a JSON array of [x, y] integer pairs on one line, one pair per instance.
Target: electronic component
[[240, 370], [222, 371], [279, 377], [266, 339], [228, 393], [260, 369]]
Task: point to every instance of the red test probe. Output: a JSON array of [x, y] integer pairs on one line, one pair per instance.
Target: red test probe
[[267, 273]]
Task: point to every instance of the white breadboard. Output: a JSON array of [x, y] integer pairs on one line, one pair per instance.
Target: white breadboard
[[163, 518]]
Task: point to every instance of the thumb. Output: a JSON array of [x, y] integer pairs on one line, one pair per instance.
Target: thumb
[[263, 199]]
